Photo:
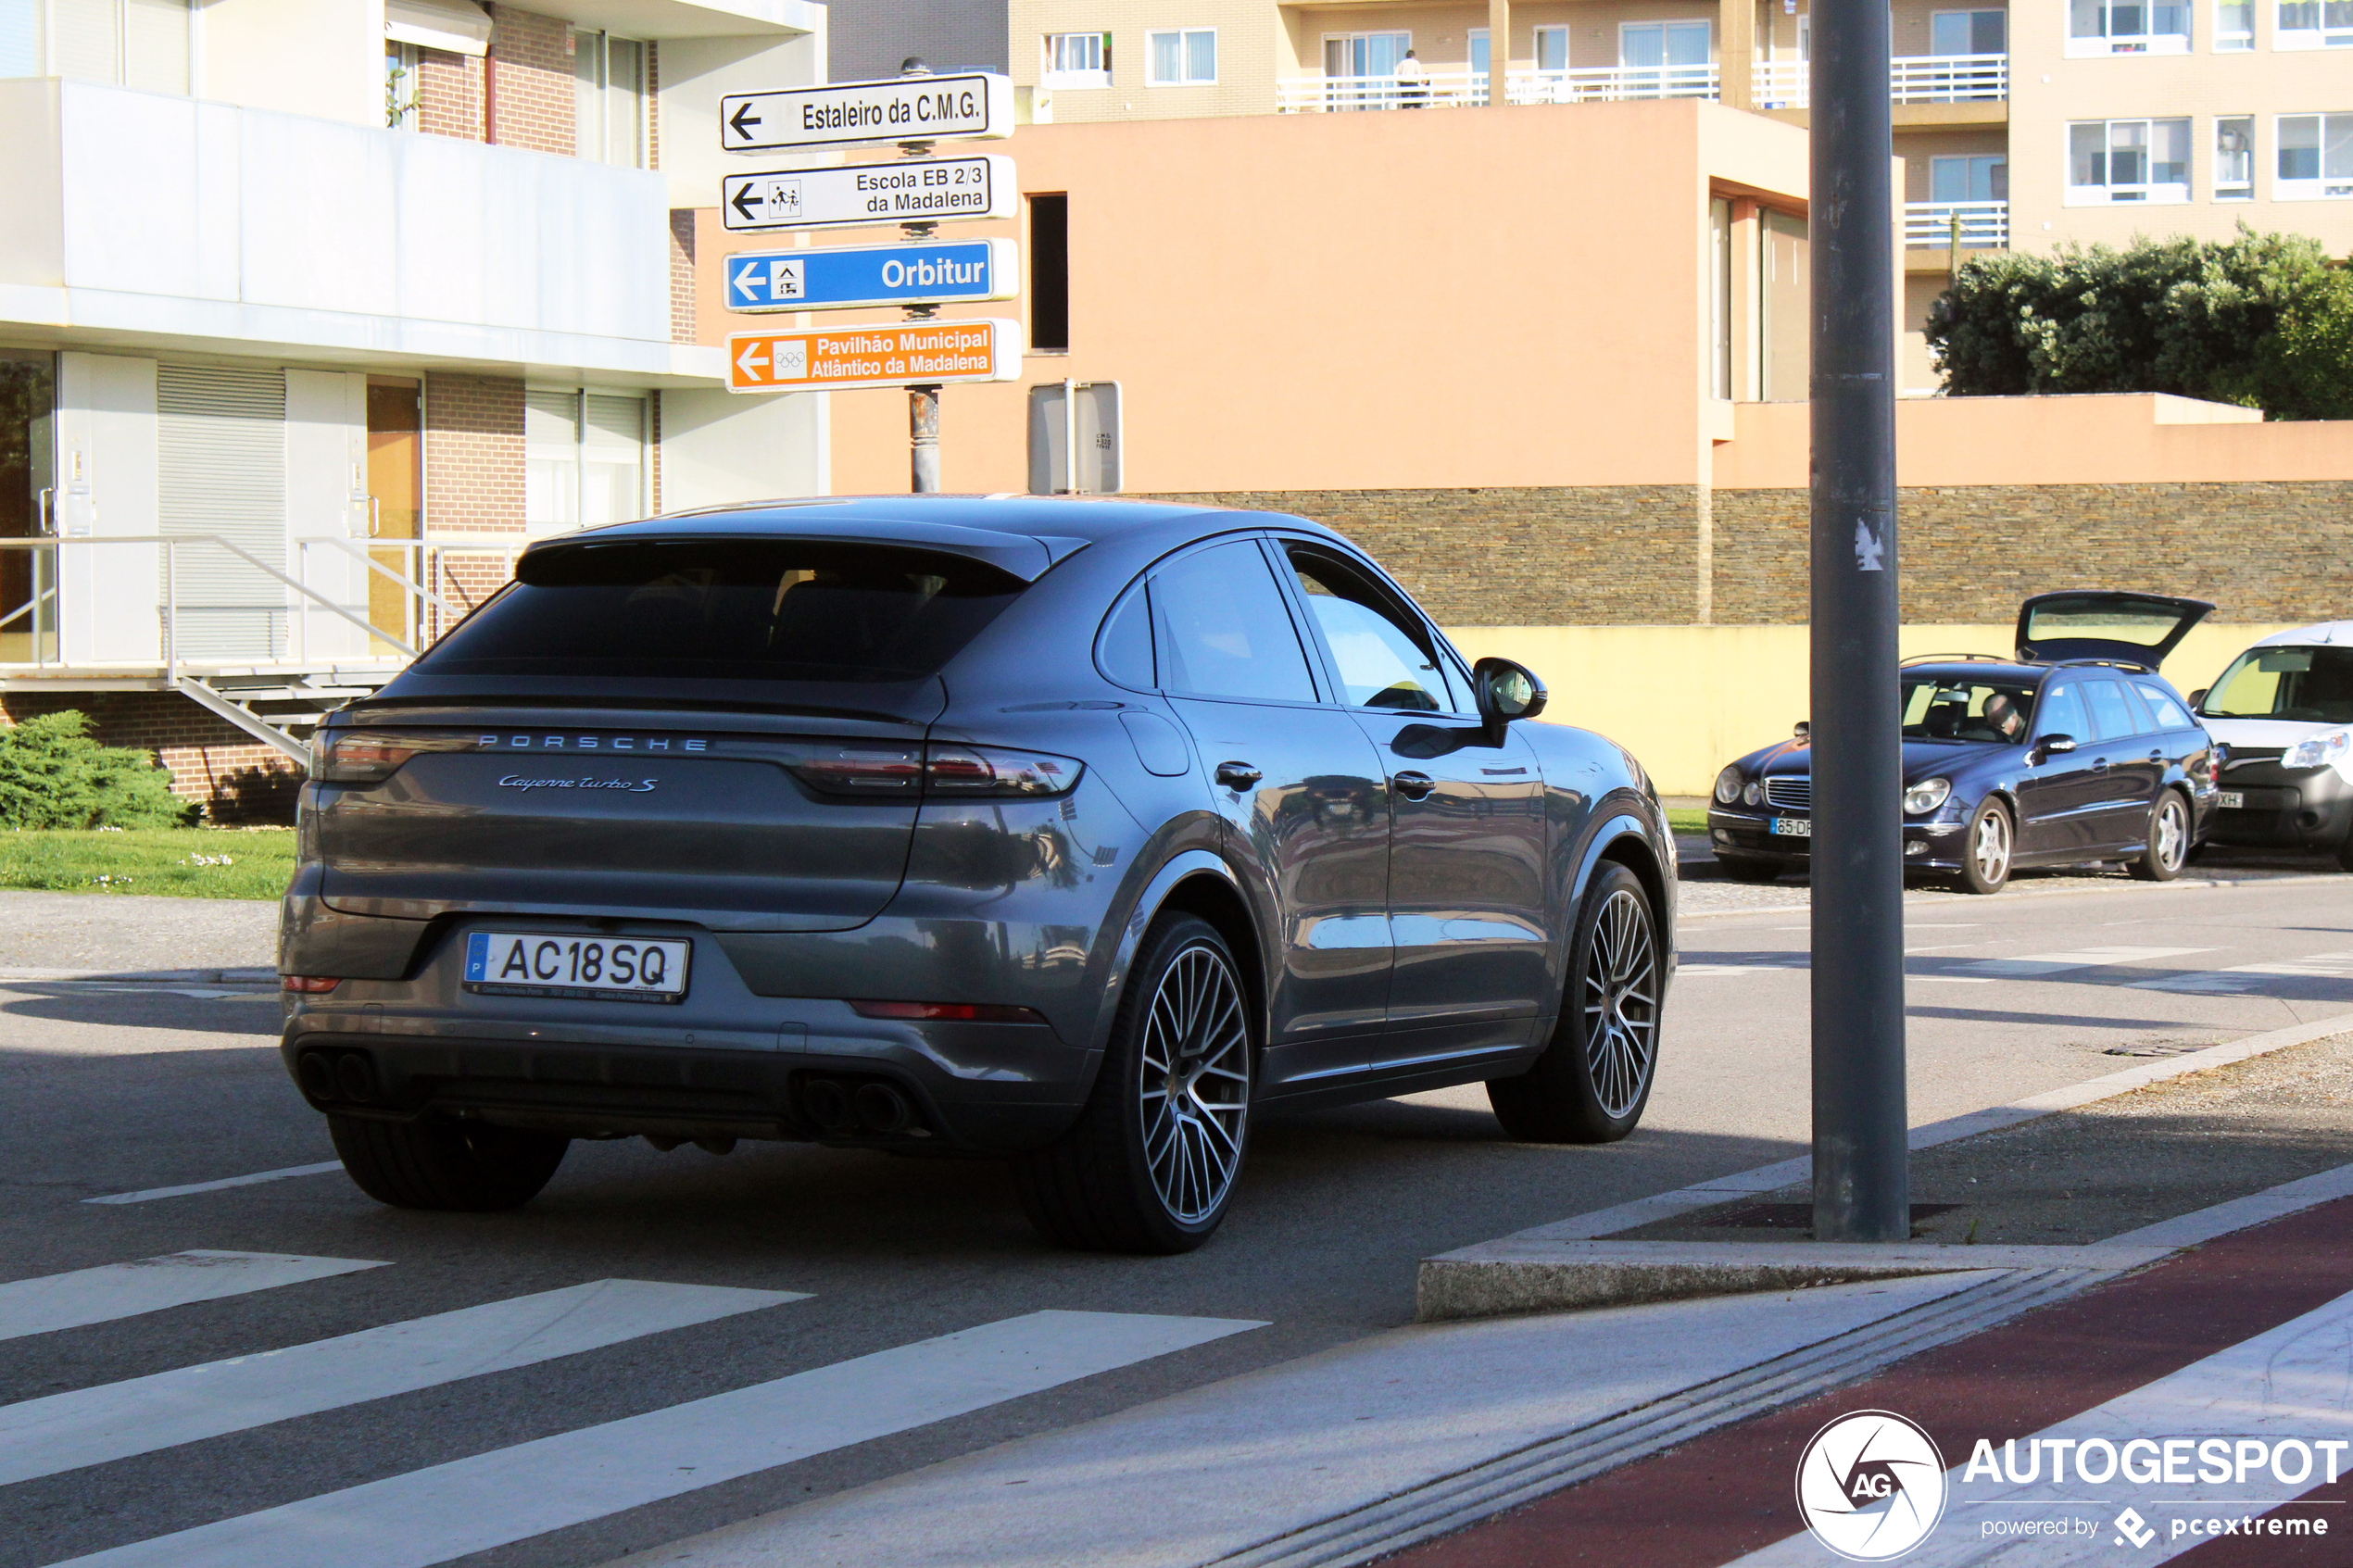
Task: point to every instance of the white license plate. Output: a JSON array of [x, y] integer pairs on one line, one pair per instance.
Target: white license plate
[[1793, 827], [2232, 800], [540, 963]]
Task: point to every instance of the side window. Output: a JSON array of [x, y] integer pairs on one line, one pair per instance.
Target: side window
[[2142, 723], [2110, 717], [2061, 713], [1384, 659], [2169, 714], [1124, 652], [1221, 628]]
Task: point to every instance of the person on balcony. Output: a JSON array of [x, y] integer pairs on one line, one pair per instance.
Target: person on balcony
[[1412, 82]]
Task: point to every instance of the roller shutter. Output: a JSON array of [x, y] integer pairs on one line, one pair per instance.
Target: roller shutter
[[221, 471]]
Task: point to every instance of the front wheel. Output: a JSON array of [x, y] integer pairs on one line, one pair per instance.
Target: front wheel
[[1986, 851], [1150, 1164], [1593, 1081], [2168, 849], [463, 1166]]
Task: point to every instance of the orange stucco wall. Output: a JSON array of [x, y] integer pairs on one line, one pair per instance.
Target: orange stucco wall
[[1511, 296]]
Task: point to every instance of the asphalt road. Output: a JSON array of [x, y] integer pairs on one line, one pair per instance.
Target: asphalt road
[[118, 1089]]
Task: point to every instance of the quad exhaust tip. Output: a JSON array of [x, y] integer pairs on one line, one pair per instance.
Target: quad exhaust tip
[[872, 1106]]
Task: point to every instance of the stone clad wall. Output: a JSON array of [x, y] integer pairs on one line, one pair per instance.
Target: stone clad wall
[[1629, 556]]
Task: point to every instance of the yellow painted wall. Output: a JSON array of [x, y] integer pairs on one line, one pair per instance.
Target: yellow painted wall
[[1687, 699]]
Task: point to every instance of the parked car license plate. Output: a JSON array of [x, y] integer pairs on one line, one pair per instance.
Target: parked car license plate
[[2231, 799], [1793, 827], [540, 963]]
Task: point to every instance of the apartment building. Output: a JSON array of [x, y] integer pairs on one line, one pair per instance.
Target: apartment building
[[312, 311], [2025, 126]]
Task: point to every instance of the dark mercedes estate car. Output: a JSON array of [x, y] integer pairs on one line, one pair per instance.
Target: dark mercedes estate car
[[1066, 832], [2075, 751]]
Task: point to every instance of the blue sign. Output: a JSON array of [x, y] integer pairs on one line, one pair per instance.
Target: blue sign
[[852, 276]]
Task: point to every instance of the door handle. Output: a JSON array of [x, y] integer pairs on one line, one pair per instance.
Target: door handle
[[1413, 786], [1238, 775], [2157, 755], [2100, 766]]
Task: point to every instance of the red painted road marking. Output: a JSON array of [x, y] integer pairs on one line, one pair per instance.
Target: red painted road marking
[[1730, 1492]]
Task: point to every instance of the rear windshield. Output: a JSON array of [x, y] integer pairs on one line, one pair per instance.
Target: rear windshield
[[1960, 710], [2314, 683], [777, 610], [2102, 617]]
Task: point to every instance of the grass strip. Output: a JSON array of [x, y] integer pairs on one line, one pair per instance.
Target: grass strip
[[174, 863]]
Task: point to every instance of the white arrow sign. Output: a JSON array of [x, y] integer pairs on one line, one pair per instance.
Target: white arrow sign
[[866, 195], [975, 105]]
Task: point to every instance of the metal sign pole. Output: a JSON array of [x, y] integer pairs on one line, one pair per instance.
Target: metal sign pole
[[1861, 1186]]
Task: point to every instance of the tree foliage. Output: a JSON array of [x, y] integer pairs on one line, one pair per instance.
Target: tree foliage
[[53, 775], [2262, 320]]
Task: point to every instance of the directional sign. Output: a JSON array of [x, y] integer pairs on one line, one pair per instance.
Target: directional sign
[[973, 106], [904, 354], [866, 195], [844, 277]]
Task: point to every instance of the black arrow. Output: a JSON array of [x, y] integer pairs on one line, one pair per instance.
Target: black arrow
[[740, 125], [737, 201]]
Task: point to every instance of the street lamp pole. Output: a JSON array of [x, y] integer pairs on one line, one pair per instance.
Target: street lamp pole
[[1861, 1186]]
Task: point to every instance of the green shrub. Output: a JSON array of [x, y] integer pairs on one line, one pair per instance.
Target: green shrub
[[2263, 320], [53, 775]]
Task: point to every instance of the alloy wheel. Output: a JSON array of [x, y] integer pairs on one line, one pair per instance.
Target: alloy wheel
[[1621, 1003], [2173, 833], [1989, 848], [1194, 1091]]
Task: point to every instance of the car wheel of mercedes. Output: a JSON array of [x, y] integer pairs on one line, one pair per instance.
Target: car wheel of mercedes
[[1151, 1165], [1985, 852], [1592, 1082], [2168, 843]]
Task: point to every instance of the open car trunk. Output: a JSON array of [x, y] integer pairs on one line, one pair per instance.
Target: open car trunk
[[2090, 623]]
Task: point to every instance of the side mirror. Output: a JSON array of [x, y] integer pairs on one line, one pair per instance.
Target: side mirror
[[2050, 746], [1804, 733], [2196, 697], [1506, 691]]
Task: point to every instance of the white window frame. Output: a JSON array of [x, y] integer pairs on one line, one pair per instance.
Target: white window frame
[[1537, 39], [1051, 76], [579, 395], [2235, 190], [1662, 23], [2228, 41], [2143, 194], [2001, 160], [1971, 12], [402, 101], [1184, 37], [595, 48], [2109, 42], [2321, 36], [2327, 187]]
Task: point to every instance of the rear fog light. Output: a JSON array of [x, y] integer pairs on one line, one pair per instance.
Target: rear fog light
[[948, 1013]]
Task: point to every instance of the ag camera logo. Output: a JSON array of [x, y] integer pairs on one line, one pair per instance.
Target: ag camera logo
[[1870, 1485]]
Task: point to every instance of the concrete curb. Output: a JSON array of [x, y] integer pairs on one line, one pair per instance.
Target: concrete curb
[[150, 976], [1501, 1278], [1914, 897]]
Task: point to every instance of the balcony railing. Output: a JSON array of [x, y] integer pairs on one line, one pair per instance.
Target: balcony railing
[[1912, 79], [1971, 225], [1461, 87]]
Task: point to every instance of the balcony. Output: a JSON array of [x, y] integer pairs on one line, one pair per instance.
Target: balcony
[[173, 221], [1461, 87], [1956, 225], [1912, 79]]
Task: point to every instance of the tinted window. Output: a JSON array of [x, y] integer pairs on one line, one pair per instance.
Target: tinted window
[[1948, 708], [1385, 659], [1223, 629], [782, 609], [2168, 714], [2112, 718], [2313, 684], [1125, 650], [2062, 713]]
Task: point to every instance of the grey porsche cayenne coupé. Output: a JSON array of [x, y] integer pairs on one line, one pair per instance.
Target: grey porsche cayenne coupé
[[1070, 833]]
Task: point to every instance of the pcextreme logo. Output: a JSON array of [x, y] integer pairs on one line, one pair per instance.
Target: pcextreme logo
[[1870, 1485]]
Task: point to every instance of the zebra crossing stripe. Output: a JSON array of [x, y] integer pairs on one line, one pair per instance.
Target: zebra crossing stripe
[[490, 1500], [2057, 963], [94, 1425], [2253, 976], [150, 1285]]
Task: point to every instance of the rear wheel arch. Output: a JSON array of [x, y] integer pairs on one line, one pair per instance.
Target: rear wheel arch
[[1198, 882]]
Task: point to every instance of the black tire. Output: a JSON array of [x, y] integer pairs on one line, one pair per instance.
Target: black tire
[[2168, 849], [1988, 850], [1594, 1078], [1750, 871], [2343, 854], [1131, 1175], [459, 1166]]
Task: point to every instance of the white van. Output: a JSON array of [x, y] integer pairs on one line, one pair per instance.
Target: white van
[[2284, 709]]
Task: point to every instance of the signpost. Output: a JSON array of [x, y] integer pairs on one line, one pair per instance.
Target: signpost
[[848, 277], [976, 105], [870, 195], [896, 355], [914, 110]]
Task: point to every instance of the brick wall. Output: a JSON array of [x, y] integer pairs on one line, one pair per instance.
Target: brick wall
[[1629, 556], [532, 81], [682, 275], [653, 101], [448, 90], [236, 777], [473, 477]]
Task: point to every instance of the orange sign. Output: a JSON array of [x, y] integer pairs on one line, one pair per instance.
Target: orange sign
[[899, 354]]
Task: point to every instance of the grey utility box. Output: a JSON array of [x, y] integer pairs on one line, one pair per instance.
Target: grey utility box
[[1081, 416]]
